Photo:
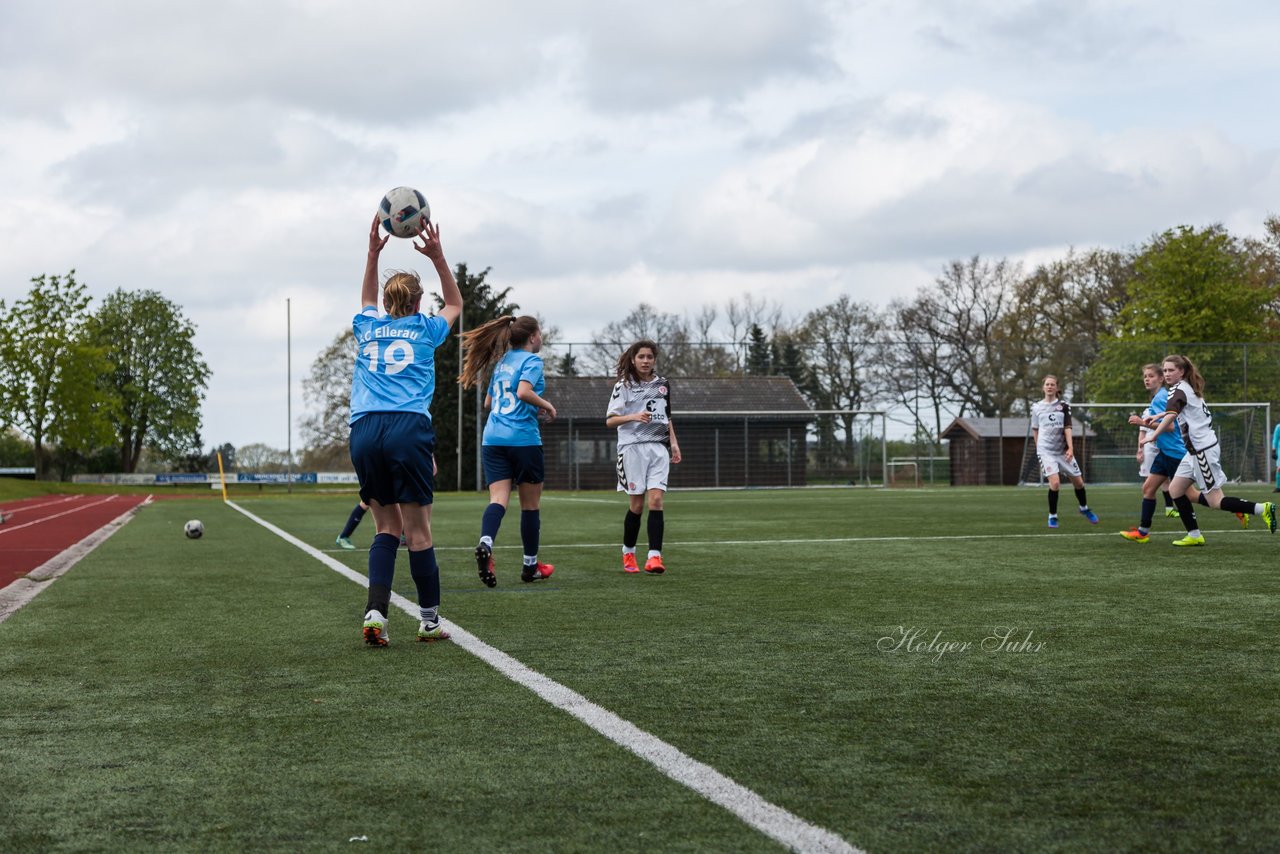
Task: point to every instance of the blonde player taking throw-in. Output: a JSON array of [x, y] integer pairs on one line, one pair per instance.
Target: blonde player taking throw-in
[[640, 407], [1051, 429], [392, 439], [1187, 409]]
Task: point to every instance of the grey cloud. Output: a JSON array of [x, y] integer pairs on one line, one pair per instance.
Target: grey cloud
[[719, 51]]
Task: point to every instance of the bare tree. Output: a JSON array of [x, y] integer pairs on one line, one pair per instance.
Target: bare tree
[[328, 389], [841, 340], [965, 318], [669, 331]]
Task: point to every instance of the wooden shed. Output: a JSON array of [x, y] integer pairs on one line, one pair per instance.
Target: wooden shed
[[724, 435], [999, 451]]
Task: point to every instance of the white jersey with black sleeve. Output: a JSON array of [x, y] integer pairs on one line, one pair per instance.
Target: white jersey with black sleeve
[[1193, 417], [653, 397], [1049, 418]]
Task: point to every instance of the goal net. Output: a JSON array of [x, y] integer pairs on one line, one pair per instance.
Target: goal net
[[1106, 445], [735, 450]]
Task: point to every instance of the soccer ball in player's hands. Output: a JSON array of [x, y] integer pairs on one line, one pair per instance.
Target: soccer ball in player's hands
[[402, 212], [193, 529]]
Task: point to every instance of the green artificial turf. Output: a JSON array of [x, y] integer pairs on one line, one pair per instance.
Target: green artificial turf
[[215, 695]]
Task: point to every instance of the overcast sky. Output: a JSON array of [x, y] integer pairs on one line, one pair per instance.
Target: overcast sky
[[598, 154]]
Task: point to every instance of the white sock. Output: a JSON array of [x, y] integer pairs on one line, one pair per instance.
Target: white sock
[[652, 553], [530, 561]]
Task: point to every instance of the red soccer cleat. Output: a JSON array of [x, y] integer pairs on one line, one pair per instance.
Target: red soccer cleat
[[534, 573]]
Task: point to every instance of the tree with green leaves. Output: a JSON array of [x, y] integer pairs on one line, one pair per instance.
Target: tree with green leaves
[[158, 378], [49, 370], [759, 352], [1203, 292]]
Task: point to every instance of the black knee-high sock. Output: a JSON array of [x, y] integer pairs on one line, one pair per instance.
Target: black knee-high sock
[[382, 568], [352, 520], [1185, 512], [530, 527], [1053, 502], [631, 529], [492, 520], [1084, 502], [426, 577], [1148, 511], [1235, 505], [656, 527], [1202, 500], [1168, 499]]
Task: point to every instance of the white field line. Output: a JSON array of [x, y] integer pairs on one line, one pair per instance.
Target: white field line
[[771, 820], [911, 538], [8, 528], [23, 590]]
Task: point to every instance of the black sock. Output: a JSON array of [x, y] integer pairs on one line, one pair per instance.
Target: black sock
[[656, 526], [379, 599], [1084, 502], [1148, 511], [352, 520], [1235, 505], [530, 528], [1203, 500], [630, 529], [1185, 512], [1053, 502], [1168, 499]]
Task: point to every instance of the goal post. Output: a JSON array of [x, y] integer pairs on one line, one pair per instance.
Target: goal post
[[782, 448], [1106, 444]]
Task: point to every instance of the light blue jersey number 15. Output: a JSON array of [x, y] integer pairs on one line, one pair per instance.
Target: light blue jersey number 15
[[504, 402]]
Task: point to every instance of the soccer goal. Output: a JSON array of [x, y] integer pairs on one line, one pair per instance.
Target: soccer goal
[[1106, 444]]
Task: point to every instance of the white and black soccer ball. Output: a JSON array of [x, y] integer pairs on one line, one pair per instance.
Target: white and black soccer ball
[[193, 529], [402, 210]]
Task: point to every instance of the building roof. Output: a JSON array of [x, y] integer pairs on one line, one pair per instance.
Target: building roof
[[994, 428], [588, 397]]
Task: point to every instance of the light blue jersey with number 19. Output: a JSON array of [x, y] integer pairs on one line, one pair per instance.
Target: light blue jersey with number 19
[[395, 362], [512, 422]]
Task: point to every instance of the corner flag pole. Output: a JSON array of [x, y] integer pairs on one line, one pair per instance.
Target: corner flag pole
[[222, 477]]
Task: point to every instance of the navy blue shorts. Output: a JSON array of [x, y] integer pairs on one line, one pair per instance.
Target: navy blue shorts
[[1165, 465], [392, 455], [516, 463]]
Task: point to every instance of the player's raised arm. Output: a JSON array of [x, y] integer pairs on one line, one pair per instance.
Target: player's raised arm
[[369, 289], [432, 248]]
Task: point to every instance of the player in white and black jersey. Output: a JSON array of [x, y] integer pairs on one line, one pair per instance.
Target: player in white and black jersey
[[640, 408], [1187, 409], [1051, 430]]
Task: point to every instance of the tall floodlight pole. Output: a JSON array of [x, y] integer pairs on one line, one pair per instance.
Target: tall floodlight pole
[[288, 381]]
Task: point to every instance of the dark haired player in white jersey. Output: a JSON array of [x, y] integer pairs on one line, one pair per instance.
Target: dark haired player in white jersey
[[1186, 407], [1051, 430], [640, 407]]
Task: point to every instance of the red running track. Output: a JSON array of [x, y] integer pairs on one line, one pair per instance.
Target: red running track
[[37, 529]]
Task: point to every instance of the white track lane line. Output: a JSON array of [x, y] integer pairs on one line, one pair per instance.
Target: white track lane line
[[9, 528], [22, 590], [771, 820]]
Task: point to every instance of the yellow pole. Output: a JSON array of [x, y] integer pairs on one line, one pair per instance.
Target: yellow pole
[[222, 477]]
